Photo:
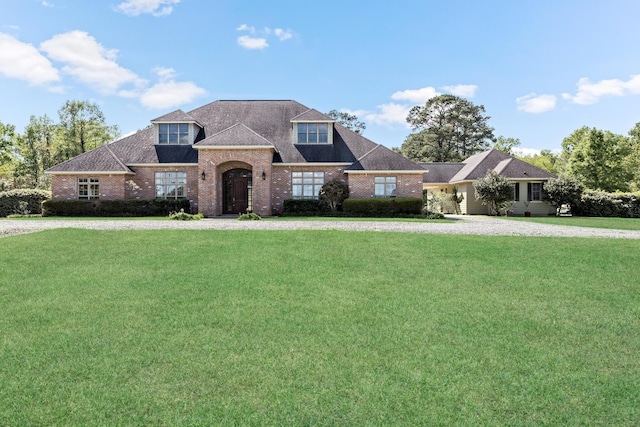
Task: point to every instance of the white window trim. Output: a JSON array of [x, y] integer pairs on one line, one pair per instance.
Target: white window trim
[[165, 185], [191, 135], [385, 183], [315, 185], [91, 182], [329, 133]]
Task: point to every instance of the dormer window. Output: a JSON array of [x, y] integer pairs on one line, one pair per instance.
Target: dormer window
[[173, 133], [313, 133]]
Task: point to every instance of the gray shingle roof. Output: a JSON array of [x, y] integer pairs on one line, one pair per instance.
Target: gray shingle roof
[[237, 135], [258, 121], [381, 158], [101, 159], [440, 172], [312, 116], [477, 166], [177, 116]]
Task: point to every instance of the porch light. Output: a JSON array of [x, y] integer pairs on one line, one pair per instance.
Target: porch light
[[264, 176], [203, 175]]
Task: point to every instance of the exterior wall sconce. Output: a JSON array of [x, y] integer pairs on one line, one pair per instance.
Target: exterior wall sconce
[[203, 175], [264, 175]]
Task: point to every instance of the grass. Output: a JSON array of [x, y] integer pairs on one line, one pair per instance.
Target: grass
[[581, 221], [317, 328], [346, 218]]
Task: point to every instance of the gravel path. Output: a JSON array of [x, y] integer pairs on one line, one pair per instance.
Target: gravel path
[[462, 225]]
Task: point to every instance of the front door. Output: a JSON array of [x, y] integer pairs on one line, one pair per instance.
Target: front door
[[236, 191]]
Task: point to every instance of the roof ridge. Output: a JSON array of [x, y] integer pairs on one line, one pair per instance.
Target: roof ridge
[[125, 167], [368, 152]]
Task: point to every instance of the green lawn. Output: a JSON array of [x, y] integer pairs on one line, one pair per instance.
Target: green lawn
[[583, 221], [317, 328]]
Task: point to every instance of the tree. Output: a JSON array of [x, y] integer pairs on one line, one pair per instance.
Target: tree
[[449, 129], [506, 145], [563, 190], [597, 159], [7, 134], [36, 149], [494, 190], [350, 121], [546, 160], [82, 128], [633, 161], [333, 193]]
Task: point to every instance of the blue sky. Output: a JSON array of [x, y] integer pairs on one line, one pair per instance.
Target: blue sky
[[541, 68]]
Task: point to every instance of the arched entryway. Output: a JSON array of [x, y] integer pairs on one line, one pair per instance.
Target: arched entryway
[[237, 189]]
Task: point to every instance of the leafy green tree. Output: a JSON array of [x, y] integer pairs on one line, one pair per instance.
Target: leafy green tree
[[598, 159], [333, 193], [633, 161], [495, 191], [82, 128], [36, 149], [563, 190], [506, 144], [7, 134], [350, 121], [448, 129], [546, 160]]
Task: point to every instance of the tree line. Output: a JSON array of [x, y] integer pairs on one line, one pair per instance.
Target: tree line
[[24, 157], [450, 129]]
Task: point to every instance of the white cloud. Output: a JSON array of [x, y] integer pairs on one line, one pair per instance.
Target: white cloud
[[533, 103], [153, 7], [417, 96], [249, 42], [245, 27], [23, 61], [258, 39], [590, 93], [389, 114], [89, 62], [283, 34], [167, 94], [47, 4], [466, 91]]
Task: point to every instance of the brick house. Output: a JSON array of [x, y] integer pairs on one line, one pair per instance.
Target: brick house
[[228, 157]]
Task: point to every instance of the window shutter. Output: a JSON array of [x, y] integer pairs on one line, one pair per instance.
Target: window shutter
[[517, 192], [529, 191]]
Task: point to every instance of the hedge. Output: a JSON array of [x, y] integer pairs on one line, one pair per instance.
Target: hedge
[[301, 207], [601, 204], [153, 207], [383, 207], [10, 201]]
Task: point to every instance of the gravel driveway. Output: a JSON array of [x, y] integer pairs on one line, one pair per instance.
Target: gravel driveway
[[462, 225]]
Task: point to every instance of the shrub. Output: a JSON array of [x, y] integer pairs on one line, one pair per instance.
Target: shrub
[[387, 207], [13, 201], [602, 204], [333, 194], [495, 191], [295, 207], [252, 216], [563, 190], [153, 207], [183, 216]]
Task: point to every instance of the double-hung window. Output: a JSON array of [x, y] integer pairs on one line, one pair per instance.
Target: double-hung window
[[535, 191], [88, 188], [173, 133], [171, 185], [313, 133], [306, 185], [385, 186]]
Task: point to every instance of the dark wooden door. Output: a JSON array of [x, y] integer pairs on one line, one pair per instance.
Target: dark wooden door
[[236, 191]]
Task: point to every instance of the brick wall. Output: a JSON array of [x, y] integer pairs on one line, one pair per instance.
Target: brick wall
[[215, 162], [142, 185], [281, 181], [65, 187], [362, 184]]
